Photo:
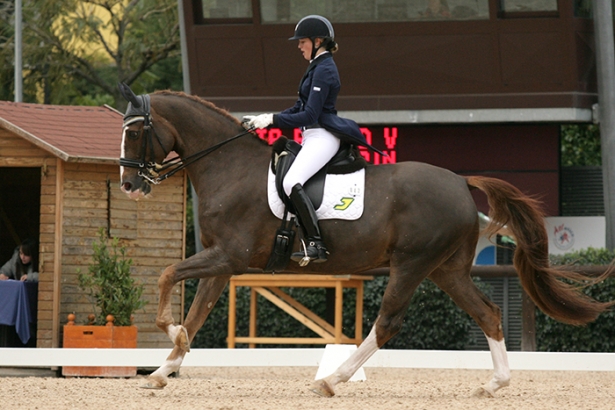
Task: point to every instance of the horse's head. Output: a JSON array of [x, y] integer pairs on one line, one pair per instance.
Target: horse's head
[[142, 149]]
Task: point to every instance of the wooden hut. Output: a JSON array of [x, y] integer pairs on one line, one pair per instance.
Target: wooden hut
[[59, 183]]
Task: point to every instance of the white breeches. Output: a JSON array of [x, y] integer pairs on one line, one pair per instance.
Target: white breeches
[[318, 147]]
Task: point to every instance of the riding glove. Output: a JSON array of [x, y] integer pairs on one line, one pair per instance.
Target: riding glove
[[259, 121]]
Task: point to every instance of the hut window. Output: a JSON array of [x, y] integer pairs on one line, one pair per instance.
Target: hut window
[[122, 212], [368, 11], [529, 5], [528, 8], [223, 11]]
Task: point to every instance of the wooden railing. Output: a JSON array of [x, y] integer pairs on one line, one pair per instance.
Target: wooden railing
[[268, 286]]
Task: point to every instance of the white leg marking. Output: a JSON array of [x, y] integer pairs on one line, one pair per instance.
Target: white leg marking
[[501, 369], [179, 336], [158, 379], [173, 331], [355, 361], [168, 367]]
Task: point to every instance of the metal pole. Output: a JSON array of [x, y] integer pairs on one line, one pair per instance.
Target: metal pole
[[605, 62], [184, 46], [18, 52], [198, 246]]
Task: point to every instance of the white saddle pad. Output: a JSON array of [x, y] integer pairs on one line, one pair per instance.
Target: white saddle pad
[[343, 196]]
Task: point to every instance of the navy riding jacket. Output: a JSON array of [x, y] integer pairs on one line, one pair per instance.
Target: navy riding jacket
[[318, 92]]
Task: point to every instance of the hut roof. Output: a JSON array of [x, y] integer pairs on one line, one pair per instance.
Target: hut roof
[[72, 133]]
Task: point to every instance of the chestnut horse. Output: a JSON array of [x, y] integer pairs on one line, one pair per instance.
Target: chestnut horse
[[419, 220]]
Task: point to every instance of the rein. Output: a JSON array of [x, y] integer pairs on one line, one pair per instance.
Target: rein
[[151, 171]]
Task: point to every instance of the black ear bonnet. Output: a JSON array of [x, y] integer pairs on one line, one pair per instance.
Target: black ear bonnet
[[138, 105]]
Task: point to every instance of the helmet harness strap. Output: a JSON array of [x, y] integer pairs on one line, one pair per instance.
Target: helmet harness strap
[[314, 48]]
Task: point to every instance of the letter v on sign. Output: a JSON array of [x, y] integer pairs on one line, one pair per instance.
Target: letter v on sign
[[390, 137]]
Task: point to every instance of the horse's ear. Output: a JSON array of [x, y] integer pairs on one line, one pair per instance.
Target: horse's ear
[[129, 95]]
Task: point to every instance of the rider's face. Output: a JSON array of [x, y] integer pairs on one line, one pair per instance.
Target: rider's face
[[305, 45]]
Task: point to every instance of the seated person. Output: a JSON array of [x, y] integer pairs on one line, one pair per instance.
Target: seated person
[[22, 265]]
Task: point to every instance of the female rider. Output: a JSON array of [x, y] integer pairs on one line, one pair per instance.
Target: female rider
[[315, 114]]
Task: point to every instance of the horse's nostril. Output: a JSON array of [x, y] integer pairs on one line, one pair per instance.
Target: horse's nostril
[[127, 186]]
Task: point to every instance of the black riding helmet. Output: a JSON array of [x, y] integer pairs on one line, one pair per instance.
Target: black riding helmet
[[312, 27]]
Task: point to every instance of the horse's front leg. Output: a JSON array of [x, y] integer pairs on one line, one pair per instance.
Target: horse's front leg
[[209, 263], [159, 378], [207, 294], [164, 318]]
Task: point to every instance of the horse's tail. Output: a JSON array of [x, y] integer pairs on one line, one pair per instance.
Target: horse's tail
[[522, 215]]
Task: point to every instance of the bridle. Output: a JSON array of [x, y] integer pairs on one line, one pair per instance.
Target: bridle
[[152, 171]]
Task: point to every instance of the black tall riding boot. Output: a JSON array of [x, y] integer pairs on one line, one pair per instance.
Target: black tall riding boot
[[314, 249]]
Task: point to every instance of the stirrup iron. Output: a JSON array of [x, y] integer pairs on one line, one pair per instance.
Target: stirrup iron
[[306, 259], [314, 251]]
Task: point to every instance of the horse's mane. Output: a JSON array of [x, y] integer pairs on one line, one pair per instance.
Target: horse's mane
[[199, 100]]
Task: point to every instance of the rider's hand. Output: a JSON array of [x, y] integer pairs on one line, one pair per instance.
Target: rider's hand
[[245, 121], [259, 121]]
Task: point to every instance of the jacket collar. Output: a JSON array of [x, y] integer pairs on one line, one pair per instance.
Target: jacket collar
[[322, 57]]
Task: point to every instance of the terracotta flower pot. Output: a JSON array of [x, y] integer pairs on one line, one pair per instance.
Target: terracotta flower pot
[[101, 337]]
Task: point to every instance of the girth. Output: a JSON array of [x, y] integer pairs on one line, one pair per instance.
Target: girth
[[346, 161]]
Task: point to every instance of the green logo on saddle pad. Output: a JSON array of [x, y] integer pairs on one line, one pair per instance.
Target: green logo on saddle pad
[[344, 205]]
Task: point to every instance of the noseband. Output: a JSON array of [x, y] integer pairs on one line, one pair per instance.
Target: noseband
[[151, 170]]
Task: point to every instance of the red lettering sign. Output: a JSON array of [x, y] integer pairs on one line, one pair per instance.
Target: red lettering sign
[[388, 138]]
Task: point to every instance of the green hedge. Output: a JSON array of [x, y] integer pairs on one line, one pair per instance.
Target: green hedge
[[553, 336], [433, 321]]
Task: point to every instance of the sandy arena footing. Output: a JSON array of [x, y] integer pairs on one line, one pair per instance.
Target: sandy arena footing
[[287, 388]]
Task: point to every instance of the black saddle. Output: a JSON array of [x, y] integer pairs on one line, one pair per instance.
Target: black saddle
[[346, 161]]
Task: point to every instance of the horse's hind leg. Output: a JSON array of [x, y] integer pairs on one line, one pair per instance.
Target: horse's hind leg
[[460, 287], [206, 296], [390, 319]]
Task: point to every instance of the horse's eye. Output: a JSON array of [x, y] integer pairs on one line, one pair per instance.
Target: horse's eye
[[133, 134]]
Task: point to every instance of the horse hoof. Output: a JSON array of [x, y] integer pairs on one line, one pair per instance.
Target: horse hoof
[[182, 341], [154, 382], [481, 392], [322, 388], [151, 386]]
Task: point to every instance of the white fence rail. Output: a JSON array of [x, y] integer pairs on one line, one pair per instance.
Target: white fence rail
[[431, 359]]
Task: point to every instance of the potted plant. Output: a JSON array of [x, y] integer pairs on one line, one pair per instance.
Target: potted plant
[[115, 296]]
